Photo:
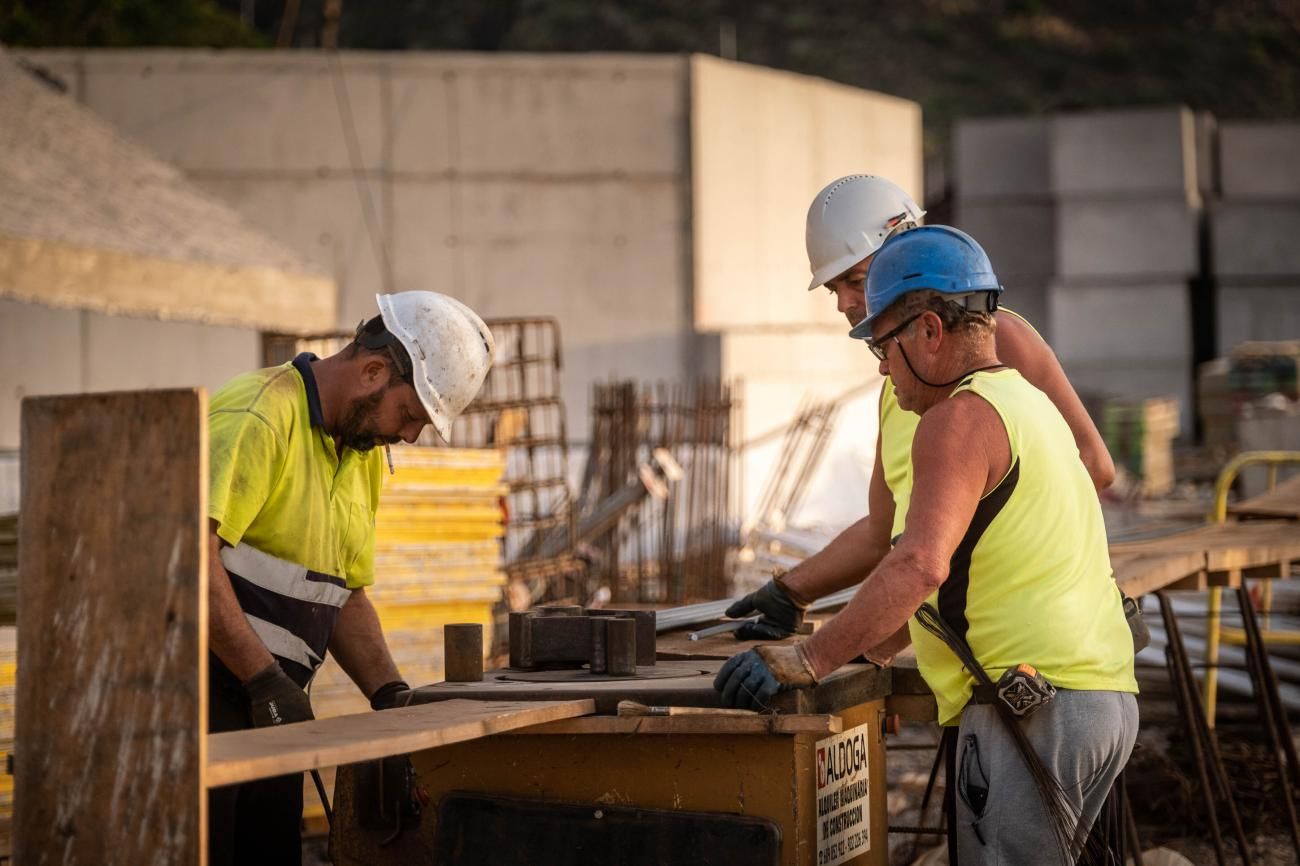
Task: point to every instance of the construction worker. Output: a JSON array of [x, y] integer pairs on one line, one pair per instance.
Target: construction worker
[[847, 222], [1001, 576], [295, 481]]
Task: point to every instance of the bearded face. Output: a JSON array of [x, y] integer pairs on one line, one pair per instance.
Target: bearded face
[[358, 430]]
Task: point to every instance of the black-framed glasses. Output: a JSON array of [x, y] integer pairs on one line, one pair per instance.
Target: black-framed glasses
[[877, 345]]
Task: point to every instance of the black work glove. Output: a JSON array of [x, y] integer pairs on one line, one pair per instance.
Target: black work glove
[[389, 695], [750, 679], [781, 614], [274, 699]]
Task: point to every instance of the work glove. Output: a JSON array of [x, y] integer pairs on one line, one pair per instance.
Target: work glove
[[750, 679], [274, 699], [782, 613], [389, 695]]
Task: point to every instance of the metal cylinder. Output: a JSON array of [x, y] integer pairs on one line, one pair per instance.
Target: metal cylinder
[[598, 646], [463, 650], [620, 647]]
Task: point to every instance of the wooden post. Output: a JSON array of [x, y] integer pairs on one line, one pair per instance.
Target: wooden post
[[112, 628]]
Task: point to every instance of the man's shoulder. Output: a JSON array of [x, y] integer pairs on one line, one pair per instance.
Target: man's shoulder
[[273, 394]]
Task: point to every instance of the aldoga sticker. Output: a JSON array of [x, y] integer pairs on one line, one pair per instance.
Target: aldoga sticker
[[843, 796]]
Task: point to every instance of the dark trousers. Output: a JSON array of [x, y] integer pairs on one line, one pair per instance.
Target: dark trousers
[[258, 822]]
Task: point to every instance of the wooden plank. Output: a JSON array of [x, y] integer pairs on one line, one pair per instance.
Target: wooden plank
[[241, 756], [112, 599], [1140, 573], [758, 723], [1283, 501]]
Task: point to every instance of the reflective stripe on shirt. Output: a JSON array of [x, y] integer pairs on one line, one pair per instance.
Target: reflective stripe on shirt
[[284, 643], [283, 577]]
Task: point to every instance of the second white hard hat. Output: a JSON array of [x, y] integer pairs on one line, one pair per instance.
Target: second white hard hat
[[450, 348], [850, 219]]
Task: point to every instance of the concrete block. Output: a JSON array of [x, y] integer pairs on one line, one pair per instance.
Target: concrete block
[[40, 353], [321, 219], [1019, 237], [540, 115], [1245, 313], [1139, 152], [1003, 157], [124, 353], [1122, 324], [1126, 240], [243, 110], [763, 144], [1256, 239], [1260, 160]]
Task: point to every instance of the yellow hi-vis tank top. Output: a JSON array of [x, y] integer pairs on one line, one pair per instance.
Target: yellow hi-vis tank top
[[1031, 580], [897, 429]]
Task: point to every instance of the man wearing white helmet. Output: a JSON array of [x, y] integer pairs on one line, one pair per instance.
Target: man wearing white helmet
[[295, 477], [848, 222]]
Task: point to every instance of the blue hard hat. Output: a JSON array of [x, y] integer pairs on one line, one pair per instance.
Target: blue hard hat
[[941, 258]]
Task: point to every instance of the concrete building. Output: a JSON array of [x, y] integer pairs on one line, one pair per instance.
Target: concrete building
[[1253, 227], [1153, 238], [115, 273], [653, 204]]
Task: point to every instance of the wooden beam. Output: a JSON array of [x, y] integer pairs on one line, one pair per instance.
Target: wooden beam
[[242, 756], [112, 630], [692, 724]]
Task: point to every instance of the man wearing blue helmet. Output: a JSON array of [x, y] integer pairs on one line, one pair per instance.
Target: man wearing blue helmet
[[1001, 574], [847, 223]]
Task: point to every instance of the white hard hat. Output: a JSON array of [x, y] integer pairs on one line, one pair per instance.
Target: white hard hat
[[850, 219], [450, 349]]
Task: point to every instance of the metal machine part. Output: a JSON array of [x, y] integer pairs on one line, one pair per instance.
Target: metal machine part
[[463, 652], [566, 636], [483, 829]]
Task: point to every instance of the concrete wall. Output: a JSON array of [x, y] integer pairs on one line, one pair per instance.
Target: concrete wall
[[654, 204], [1254, 229], [524, 185], [762, 144], [1093, 221], [51, 351], [1004, 200]]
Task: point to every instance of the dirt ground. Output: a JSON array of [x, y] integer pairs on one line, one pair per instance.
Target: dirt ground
[[1167, 804]]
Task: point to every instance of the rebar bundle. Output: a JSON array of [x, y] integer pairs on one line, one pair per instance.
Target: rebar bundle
[[672, 545]]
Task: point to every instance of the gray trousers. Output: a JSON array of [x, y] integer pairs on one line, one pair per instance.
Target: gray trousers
[[1083, 738]]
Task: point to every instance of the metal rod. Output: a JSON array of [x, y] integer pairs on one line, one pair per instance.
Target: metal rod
[[723, 628]]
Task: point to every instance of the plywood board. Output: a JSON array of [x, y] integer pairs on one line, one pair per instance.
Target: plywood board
[[241, 756], [112, 600]]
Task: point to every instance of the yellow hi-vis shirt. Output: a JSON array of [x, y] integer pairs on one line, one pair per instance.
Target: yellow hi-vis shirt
[[1031, 580], [897, 430], [299, 519]]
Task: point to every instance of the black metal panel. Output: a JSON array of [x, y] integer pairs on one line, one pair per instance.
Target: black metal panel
[[481, 830]]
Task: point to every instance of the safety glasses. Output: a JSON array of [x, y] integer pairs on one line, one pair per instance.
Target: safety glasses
[[877, 345]]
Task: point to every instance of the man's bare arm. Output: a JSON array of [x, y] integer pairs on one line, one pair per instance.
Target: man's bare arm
[[1020, 347], [358, 644], [960, 453], [229, 634], [853, 553]]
